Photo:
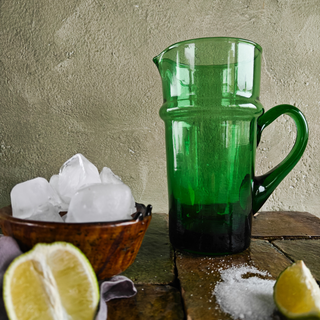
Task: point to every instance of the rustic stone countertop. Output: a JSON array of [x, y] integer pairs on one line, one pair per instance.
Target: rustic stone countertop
[[174, 285]]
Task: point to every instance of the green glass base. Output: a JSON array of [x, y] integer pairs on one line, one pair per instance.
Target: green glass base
[[210, 233]]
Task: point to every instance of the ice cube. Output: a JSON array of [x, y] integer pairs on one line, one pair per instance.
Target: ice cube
[[107, 176], [54, 182], [31, 197], [75, 173], [49, 213], [101, 202], [57, 202]]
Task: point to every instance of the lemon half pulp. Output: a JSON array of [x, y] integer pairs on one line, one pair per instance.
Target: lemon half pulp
[[297, 294], [51, 282]]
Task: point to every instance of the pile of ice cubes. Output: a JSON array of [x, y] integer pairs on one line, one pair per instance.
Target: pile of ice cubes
[[79, 189]]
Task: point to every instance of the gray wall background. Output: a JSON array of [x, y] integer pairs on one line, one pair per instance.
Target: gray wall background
[[78, 76]]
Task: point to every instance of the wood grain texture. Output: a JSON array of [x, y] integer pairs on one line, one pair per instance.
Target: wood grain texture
[[199, 275], [306, 250], [151, 302], [285, 225]]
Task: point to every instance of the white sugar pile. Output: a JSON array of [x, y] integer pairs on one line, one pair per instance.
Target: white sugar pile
[[245, 295]]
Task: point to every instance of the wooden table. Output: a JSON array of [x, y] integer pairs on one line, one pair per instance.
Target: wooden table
[[173, 285]]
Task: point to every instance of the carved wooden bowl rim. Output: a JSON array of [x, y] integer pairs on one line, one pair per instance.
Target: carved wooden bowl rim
[[141, 214], [117, 242]]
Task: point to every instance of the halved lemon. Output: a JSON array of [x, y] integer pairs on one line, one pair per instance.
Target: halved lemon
[[51, 282], [296, 293]]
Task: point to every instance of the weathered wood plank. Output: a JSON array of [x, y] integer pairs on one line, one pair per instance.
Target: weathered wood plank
[[151, 302], [199, 276], [154, 263], [306, 250], [285, 225]]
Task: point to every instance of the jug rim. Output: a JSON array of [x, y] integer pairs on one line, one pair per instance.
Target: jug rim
[[235, 39]]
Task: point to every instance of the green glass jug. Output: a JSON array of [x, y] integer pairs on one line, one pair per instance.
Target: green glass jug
[[213, 123]]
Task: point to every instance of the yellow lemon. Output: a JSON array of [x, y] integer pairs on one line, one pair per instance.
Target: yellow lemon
[[52, 281], [296, 293]]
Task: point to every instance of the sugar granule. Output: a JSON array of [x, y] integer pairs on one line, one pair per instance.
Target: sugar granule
[[248, 298]]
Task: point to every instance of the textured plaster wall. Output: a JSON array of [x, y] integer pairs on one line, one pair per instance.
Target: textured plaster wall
[[78, 76]]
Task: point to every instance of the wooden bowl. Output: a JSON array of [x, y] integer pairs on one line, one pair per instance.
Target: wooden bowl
[[111, 247]]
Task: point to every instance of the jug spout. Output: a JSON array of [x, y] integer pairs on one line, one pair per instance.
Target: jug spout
[[156, 60], [210, 68], [159, 59], [165, 54]]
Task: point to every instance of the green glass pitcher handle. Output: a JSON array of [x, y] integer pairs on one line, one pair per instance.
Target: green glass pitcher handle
[[264, 185]]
